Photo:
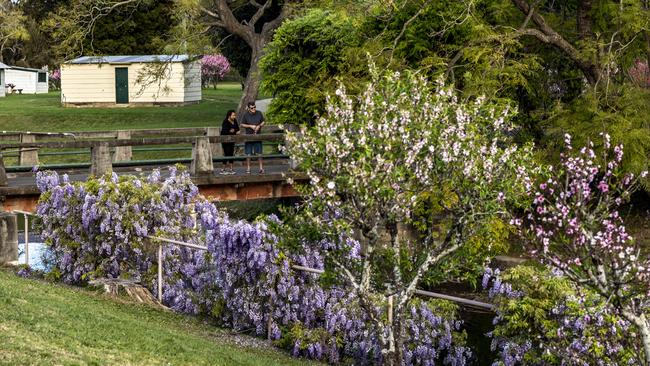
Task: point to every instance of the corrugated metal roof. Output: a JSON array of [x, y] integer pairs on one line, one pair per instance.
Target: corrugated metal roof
[[128, 59], [25, 69], [3, 66]]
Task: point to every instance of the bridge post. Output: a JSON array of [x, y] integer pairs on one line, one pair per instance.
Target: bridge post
[[28, 157], [217, 150], [201, 157], [100, 159], [123, 153], [8, 237], [3, 172]]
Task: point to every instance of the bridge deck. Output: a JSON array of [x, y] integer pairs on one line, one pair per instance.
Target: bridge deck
[[21, 192]]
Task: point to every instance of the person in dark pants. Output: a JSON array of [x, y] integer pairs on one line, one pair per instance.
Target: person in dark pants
[[229, 126], [253, 121]]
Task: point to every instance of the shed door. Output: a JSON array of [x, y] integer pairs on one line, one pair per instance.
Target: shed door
[[122, 85]]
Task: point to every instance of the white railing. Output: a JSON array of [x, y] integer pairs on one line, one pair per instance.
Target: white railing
[[26, 215], [170, 241], [436, 295]]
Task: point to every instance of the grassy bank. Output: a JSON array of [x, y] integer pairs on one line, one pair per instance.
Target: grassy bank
[[46, 324], [43, 112]]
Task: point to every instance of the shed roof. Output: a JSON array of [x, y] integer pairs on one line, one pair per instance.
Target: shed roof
[[128, 59], [3, 66], [25, 69]]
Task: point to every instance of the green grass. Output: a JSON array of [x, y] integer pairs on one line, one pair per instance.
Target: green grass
[[43, 112], [48, 324]]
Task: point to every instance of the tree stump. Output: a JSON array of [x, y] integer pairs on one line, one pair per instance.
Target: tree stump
[[132, 288]]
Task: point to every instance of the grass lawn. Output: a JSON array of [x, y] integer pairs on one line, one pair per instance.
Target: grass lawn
[[48, 324], [43, 112]]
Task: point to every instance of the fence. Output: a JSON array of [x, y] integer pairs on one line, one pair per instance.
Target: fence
[[459, 300], [28, 157], [101, 162], [26, 215]]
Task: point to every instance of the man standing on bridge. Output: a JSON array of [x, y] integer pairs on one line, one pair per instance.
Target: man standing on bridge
[[252, 122]]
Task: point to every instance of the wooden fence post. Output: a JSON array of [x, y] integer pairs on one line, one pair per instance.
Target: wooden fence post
[[8, 237], [28, 156], [123, 153], [100, 159], [216, 148], [3, 172], [201, 157]]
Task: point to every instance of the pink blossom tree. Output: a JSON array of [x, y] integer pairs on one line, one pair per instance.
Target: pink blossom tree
[[574, 226], [55, 79], [640, 73], [213, 69]]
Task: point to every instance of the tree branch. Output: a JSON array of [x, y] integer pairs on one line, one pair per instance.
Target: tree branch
[[548, 35]]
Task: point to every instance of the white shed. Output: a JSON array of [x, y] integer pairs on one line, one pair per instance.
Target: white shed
[[100, 81], [3, 67], [26, 80]]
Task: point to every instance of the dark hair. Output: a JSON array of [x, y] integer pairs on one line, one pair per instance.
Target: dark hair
[[230, 111], [250, 104]]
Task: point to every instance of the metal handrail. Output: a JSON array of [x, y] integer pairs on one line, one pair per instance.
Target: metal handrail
[[459, 300], [26, 215]]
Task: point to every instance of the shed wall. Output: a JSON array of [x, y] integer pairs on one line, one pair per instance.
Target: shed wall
[[42, 88], [25, 80], [94, 83], [193, 82]]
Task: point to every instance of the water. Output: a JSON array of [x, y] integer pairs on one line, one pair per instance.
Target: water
[[36, 250]]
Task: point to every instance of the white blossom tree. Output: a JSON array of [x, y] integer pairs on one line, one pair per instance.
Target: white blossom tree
[[377, 160]]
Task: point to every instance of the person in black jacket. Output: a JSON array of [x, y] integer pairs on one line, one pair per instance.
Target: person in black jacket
[[229, 126]]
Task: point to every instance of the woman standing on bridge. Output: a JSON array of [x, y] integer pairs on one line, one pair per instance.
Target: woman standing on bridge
[[229, 126]]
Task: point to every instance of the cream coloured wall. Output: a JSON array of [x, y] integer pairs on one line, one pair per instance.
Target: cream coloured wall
[[95, 83], [25, 80], [87, 83], [193, 82], [2, 83]]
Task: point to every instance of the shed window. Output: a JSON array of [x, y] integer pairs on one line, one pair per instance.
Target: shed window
[[42, 77]]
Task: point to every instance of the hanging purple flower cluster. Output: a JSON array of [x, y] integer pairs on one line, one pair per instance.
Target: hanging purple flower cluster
[[97, 229], [574, 329]]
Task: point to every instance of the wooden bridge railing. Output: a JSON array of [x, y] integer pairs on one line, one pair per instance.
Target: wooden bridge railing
[[101, 162], [29, 156]]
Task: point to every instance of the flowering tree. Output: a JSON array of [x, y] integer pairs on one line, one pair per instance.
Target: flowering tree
[[97, 228], [55, 79], [640, 73], [575, 226], [244, 279], [545, 319], [376, 161], [213, 69]]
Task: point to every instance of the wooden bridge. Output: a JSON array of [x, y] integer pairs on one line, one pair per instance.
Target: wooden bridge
[[114, 151]]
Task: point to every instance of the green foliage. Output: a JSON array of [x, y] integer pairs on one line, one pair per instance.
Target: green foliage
[[302, 60], [545, 315], [141, 31], [623, 115]]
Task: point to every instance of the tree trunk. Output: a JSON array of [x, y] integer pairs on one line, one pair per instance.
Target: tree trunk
[[253, 79], [584, 22], [398, 333], [644, 329], [641, 322]]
